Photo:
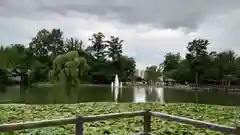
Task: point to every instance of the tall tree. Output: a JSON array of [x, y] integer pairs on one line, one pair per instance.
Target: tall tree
[[73, 44], [170, 64], [197, 55], [40, 44], [47, 45], [56, 44], [152, 73], [4, 58], [23, 58], [127, 68], [98, 48], [115, 48]]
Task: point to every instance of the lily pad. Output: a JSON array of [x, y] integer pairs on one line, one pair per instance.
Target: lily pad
[[11, 113]]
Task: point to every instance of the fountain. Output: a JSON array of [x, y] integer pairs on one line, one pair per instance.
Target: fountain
[[115, 87], [116, 81]]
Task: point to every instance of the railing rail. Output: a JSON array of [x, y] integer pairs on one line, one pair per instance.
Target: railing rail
[[196, 123], [80, 120]]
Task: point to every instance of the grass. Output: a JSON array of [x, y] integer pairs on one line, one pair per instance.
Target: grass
[[210, 113]]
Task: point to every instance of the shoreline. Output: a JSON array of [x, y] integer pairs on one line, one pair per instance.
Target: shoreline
[[177, 87]]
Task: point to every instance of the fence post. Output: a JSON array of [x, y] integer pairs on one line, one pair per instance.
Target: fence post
[[147, 121], [237, 130], [79, 126]]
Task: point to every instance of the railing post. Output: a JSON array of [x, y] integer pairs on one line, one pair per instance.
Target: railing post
[[237, 130], [147, 121], [79, 126]]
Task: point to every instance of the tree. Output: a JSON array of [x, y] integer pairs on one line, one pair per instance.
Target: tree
[[237, 63], [44, 47], [50, 56], [4, 59], [127, 68], [152, 73], [40, 44], [197, 55], [170, 64], [72, 44], [56, 43], [68, 68], [226, 66], [98, 48], [47, 45], [3, 79], [115, 48]]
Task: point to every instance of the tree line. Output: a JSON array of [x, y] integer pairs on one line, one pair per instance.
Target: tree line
[[201, 66], [50, 56]]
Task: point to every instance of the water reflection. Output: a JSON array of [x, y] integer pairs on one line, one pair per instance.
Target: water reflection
[[139, 94], [57, 94], [159, 95], [116, 92]]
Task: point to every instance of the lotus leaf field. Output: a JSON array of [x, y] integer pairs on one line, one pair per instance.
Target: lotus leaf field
[[11, 113]]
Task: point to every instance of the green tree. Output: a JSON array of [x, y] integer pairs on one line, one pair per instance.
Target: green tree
[[68, 68], [48, 48], [226, 66], [183, 73], [73, 44], [115, 48], [152, 73], [40, 44], [23, 58], [127, 68], [45, 46], [4, 58], [170, 64], [56, 43], [98, 48], [197, 55]]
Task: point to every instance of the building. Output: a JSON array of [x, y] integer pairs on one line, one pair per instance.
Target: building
[[136, 72], [140, 73]]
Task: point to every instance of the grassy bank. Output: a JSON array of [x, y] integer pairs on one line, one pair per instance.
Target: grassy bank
[[217, 114]]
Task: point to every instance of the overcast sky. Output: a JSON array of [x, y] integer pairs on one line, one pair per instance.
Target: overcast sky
[[150, 28]]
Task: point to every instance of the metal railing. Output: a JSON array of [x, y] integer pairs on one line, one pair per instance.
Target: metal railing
[[80, 120]]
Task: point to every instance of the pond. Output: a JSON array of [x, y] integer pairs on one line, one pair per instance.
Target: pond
[[56, 94]]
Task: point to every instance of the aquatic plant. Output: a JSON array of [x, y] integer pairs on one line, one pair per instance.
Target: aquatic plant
[[210, 113]]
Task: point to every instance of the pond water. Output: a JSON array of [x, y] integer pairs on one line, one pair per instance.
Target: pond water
[[57, 94]]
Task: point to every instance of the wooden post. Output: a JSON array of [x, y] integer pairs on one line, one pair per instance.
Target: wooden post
[[79, 126], [147, 122], [237, 130]]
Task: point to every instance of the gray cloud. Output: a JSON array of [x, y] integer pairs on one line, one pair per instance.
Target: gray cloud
[[216, 20], [158, 13], [223, 31]]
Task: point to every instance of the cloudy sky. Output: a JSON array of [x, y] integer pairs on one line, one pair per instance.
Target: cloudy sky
[[149, 28]]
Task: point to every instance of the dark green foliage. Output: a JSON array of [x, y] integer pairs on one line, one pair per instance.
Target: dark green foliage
[[202, 65], [3, 80], [103, 57]]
